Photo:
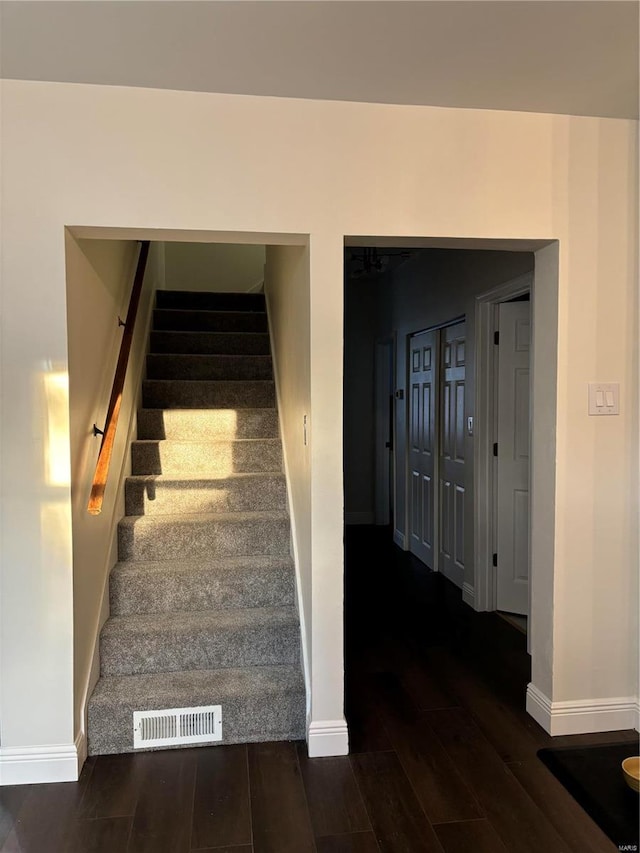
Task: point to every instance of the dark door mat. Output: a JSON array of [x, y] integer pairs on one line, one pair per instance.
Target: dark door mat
[[593, 776]]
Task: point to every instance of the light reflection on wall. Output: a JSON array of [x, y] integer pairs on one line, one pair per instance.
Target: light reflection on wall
[[57, 459], [55, 506]]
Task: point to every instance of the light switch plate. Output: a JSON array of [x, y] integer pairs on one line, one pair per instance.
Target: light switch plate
[[604, 398]]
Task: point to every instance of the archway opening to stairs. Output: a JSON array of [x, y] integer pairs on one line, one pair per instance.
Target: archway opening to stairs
[[190, 586]]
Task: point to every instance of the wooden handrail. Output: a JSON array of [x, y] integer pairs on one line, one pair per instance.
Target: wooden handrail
[[113, 412]]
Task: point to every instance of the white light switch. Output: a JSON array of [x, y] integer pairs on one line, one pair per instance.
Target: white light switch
[[604, 398]]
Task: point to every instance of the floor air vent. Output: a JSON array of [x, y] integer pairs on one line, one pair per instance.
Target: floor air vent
[[171, 726]]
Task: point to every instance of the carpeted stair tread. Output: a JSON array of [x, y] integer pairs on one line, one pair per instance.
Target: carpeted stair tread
[[204, 366], [179, 585], [160, 494], [193, 535], [210, 639], [208, 301], [207, 424], [201, 519], [208, 393], [206, 458], [213, 343], [190, 622], [258, 703], [189, 320]]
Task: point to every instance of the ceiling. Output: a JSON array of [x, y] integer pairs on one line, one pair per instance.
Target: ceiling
[[553, 56]]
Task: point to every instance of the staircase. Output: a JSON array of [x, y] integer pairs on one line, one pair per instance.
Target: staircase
[[202, 598]]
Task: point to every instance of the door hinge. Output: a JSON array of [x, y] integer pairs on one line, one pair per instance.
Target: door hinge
[[496, 338], [495, 560], [495, 448]]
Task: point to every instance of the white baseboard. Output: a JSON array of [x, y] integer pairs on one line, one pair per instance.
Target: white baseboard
[[359, 518], [583, 715], [27, 765], [399, 539], [468, 594], [328, 737]]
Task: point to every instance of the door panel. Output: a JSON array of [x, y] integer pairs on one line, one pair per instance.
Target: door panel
[[513, 458], [452, 453], [444, 506], [427, 509], [459, 434], [458, 553], [427, 426], [415, 500], [422, 362]]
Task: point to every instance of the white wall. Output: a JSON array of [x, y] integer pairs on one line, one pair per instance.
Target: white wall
[[145, 159], [287, 295], [214, 266], [99, 280]]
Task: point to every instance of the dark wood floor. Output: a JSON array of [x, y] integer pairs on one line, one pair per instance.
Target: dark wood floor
[[443, 753]]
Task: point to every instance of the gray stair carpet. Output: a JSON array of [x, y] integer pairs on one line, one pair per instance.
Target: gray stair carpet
[[202, 599]]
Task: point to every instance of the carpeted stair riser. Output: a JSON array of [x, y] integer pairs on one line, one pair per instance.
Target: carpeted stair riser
[[258, 704], [161, 495], [207, 424], [174, 537], [209, 367], [204, 301], [206, 459], [181, 585], [172, 642], [205, 394], [213, 343], [176, 320]]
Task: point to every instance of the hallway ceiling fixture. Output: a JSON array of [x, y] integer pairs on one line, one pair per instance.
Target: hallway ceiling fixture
[[370, 261]]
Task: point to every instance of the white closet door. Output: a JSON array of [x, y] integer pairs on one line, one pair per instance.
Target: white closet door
[[452, 479], [422, 408], [513, 458]]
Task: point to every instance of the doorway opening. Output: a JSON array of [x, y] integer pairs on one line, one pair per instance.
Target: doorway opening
[[440, 304], [503, 408], [192, 338]]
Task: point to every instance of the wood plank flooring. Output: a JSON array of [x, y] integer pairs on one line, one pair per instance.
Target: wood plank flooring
[[443, 755]]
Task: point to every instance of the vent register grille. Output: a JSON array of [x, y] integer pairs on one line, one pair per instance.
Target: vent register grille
[[172, 726]]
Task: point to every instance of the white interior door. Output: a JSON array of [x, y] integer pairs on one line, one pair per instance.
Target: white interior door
[[512, 525], [422, 411], [452, 469]]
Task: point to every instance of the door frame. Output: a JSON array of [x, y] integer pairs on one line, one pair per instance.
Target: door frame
[[484, 494], [462, 318], [384, 386]]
